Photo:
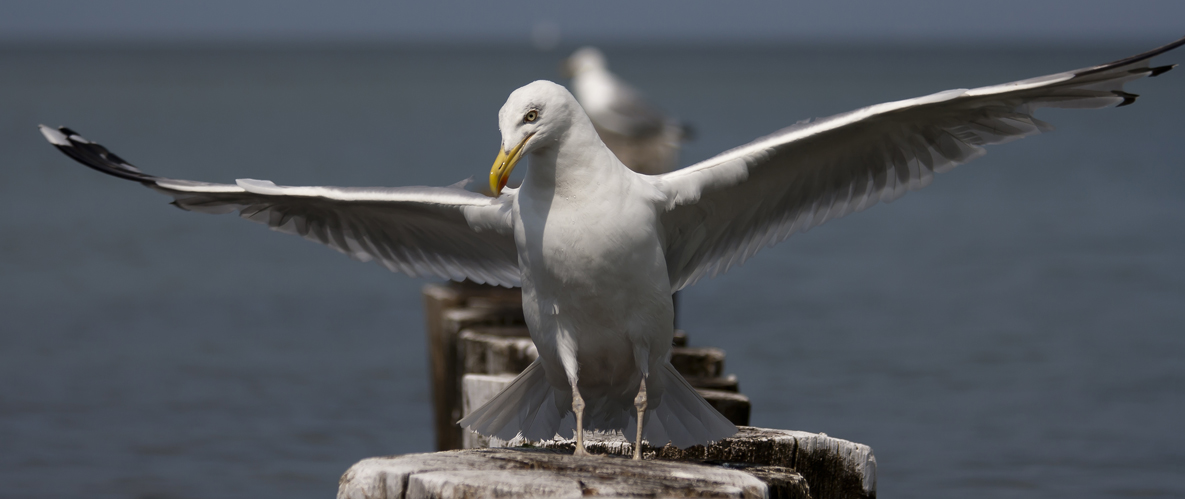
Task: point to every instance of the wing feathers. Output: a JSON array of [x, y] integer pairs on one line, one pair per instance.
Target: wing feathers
[[442, 231], [723, 210]]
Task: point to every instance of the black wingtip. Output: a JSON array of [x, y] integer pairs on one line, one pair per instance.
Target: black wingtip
[[1128, 98], [1161, 70], [1137, 58], [93, 155], [689, 132]]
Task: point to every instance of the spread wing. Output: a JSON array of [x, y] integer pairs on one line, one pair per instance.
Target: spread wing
[[723, 210], [443, 231]]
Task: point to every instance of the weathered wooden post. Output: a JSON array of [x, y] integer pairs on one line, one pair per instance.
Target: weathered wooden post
[[757, 462], [449, 308]]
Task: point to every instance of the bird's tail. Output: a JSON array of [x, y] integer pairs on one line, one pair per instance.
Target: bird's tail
[[682, 417], [526, 407]]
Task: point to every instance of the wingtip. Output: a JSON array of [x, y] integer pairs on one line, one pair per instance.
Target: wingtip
[[54, 137], [689, 132], [1161, 70], [463, 183], [1128, 98], [1137, 58]]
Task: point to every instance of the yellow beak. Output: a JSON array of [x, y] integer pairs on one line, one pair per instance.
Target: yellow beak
[[504, 164]]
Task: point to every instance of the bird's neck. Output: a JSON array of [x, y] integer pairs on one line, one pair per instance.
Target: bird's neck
[[577, 163]]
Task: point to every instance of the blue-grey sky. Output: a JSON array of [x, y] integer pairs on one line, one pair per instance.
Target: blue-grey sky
[[623, 21]]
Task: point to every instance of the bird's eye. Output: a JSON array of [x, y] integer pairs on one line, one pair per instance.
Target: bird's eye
[[531, 116]]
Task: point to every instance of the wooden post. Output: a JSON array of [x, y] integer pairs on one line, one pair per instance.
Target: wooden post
[[758, 462], [437, 299], [538, 473], [448, 308], [833, 467]]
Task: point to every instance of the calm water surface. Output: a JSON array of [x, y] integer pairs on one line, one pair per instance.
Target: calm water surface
[[1015, 330]]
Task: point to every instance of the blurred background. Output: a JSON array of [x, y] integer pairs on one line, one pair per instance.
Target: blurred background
[[1014, 330]]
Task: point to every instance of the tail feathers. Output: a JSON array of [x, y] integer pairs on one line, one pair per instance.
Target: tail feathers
[[526, 407], [683, 417]]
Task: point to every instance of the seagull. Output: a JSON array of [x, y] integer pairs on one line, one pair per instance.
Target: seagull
[[598, 249], [637, 132]]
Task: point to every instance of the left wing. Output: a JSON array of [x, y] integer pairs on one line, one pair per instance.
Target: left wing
[[443, 231], [723, 210]]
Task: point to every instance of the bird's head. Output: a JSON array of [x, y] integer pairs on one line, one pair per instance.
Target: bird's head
[[534, 117], [582, 60]]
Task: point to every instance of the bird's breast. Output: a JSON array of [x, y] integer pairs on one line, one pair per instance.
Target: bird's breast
[[593, 270], [595, 266], [580, 242]]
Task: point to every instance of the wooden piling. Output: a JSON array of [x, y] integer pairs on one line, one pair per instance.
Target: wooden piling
[[757, 462], [449, 308]]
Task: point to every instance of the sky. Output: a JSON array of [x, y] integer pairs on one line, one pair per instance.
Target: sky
[[547, 23]]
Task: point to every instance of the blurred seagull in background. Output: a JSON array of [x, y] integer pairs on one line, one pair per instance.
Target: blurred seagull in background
[[598, 249], [635, 130]]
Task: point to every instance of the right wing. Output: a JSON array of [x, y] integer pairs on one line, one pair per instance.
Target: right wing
[[443, 231], [725, 209]]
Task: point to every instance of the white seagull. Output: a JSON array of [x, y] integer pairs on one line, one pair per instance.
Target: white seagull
[[598, 249], [635, 130]]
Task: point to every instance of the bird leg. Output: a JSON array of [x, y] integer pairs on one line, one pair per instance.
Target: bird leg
[[578, 408], [640, 404]]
